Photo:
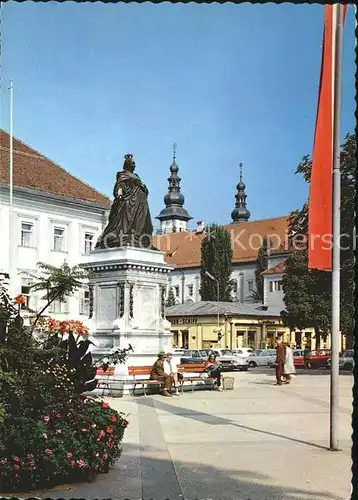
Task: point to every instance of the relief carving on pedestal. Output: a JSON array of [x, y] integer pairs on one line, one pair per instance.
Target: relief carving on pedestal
[[131, 301], [90, 313], [121, 299]]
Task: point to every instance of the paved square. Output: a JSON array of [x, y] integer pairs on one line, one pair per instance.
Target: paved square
[[257, 442]]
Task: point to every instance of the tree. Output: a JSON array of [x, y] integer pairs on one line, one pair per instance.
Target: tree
[[308, 294], [216, 258], [58, 283], [171, 298], [261, 266]]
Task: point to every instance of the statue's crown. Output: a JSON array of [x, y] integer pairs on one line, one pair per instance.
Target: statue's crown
[[128, 156]]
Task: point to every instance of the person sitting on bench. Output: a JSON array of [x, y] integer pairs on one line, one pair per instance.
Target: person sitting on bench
[[171, 369], [213, 370], [158, 373]]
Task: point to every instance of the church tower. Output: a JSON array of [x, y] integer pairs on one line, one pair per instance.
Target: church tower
[[174, 217], [240, 212]]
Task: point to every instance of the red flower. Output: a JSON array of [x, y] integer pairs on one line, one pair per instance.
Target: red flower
[[105, 405], [109, 430], [69, 455], [48, 452], [46, 419], [20, 299], [113, 419]]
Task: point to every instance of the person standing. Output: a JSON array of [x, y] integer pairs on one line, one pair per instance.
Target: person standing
[[158, 373], [280, 360], [306, 357], [289, 366], [172, 370]]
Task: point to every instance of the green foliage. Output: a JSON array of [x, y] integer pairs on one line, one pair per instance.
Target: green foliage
[[71, 441], [261, 266], [216, 258], [307, 294], [49, 433], [171, 298], [57, 283]]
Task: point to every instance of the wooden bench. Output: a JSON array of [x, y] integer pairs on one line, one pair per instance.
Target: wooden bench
[[142, 371], [103, 379], [198, 368]]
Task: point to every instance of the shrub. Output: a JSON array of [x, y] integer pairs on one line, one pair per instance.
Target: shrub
[[72, 441]]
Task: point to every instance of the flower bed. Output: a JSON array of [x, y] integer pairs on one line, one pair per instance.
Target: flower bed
[[71, 441]]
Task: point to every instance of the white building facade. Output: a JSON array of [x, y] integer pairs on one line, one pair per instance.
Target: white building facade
[[54, 218]]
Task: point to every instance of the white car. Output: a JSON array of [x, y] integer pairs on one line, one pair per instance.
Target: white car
[[229, 361], [262, 357], [346, 361], [243, 352]]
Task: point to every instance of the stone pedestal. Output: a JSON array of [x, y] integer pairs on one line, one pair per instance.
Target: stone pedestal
[[127, 302]]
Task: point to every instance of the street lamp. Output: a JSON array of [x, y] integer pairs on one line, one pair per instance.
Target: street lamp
[[209, 275]]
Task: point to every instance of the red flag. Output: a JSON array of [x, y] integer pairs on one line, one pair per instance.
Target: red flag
[[321, 189]]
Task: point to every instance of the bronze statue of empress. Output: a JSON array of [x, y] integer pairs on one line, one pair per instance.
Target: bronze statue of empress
[[129, 222]]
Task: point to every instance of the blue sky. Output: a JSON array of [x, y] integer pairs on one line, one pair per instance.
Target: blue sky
[[227, 83]]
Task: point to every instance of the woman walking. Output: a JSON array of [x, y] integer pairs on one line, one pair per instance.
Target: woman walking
[[289, 366]]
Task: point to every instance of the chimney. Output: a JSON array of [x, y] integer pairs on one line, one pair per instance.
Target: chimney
[[200, 226]]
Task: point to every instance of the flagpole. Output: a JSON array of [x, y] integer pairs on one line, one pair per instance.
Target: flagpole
[[336, 261], [11, 186]]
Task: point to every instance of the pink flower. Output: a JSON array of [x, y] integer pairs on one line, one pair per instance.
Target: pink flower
[[101, 435], [105, 405], [46, 419], [69, 455], [3, 461], [81, 463], [73, 463], [16, 459], [104, 456], [113, 419], [16, 467], [48, 451]]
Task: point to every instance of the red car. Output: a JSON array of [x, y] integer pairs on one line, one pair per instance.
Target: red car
[[298, 359], [319, 358]]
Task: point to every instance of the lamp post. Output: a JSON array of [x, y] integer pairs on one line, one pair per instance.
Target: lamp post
[[209, 275]]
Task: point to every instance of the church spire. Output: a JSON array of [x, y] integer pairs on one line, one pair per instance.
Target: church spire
[[240, 212], [174, 216]]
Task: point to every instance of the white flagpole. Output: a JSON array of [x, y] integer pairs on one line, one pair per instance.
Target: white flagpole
[[336, 260], [11, 187]]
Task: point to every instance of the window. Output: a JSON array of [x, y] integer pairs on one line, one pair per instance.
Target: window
[[250, 285], [275, 286], [58, 307], [176, 288], [58, 239], [88, 243], [85, 302], [27, 234], [190, 290], [25, 292]]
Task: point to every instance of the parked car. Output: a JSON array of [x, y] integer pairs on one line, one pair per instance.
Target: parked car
[[319, 358], [298, 358], [227, 361], [262, 357], [346, 360], [243, 352]]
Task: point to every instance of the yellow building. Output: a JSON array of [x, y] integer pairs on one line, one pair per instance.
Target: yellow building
[[199, 325]]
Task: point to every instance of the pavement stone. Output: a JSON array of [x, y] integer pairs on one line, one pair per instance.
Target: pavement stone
[[257, 442]]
